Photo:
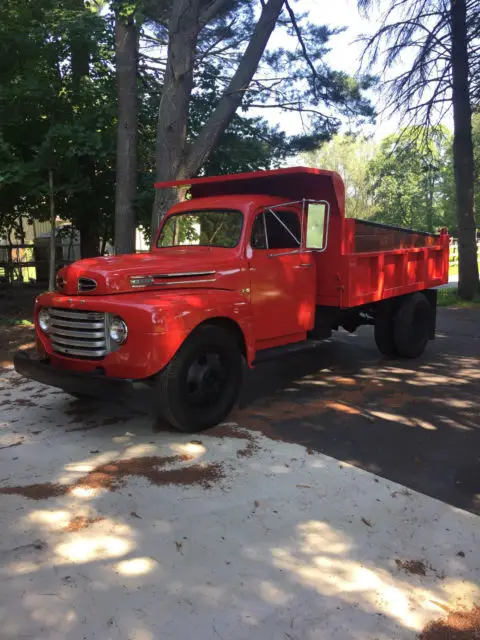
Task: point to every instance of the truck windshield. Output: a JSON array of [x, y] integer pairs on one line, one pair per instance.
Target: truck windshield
[[208, 228]]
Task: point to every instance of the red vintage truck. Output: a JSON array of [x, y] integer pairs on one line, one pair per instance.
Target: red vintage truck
[[249, 267]]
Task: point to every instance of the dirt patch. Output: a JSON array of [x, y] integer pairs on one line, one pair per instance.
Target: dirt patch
[[343, 381], [414, 567], [248, 451], [24, 402], [14, 444], [112, 476], [13, 338], [228, 431], [355, 397], [343, 408], [17, 381], [461, 624], [37, 491], [397, 400], [96, 424], [81, 522]]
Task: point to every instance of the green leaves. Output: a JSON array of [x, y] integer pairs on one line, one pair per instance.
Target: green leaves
[[406, 180], [411, 179], [349, 156]]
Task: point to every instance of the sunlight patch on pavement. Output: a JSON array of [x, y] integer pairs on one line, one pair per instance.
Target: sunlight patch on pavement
[[139, 450], [87, 549], [424, 424], [315, 563], [193, 449], [49, 517], [271, 593], [136, 566], [84, 492], [392, 417]]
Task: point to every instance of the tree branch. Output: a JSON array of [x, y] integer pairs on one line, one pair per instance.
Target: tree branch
[[234, 93], [302, 45], [212, 10]]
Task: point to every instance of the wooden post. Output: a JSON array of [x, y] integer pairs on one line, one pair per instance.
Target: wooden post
[[51, 265]]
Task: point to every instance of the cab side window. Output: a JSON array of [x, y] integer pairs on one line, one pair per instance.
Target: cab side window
[[258, 239], [283, 229]]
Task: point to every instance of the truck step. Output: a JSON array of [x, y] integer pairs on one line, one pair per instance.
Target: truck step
[[276, 352]]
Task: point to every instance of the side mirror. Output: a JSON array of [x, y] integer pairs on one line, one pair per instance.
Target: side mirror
[[318, 214]]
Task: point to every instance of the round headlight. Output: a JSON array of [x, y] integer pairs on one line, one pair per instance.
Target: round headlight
[[44, 320], [118, 330]]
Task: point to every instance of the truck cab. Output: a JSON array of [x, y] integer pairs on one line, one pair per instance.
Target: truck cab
[[247, 268]]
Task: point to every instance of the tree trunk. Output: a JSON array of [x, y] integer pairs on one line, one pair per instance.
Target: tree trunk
[[429, 199], [463, 153], [126, 178], [173, 112], [89, 240], [80, 62], [53, 237]]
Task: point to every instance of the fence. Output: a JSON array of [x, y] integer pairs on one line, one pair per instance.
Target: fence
[[20, 265], [454, 251]]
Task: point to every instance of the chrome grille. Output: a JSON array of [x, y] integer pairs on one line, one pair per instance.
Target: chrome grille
[[78, 333], [86, 284]]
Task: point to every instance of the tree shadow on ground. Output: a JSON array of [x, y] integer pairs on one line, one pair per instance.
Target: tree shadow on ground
[[414, 422]]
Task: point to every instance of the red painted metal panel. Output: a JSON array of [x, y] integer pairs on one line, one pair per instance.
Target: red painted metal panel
[[294, 183]]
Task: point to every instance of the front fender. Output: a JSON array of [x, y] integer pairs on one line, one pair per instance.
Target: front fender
[[158, 321], [187, 310]]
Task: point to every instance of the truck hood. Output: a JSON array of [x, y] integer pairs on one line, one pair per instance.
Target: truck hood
[[164, 269]]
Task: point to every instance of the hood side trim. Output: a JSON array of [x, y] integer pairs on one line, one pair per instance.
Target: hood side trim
[[189, 274]]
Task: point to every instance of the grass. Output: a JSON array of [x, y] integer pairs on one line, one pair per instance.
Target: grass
[[5, 321], [453, 269], [449, 298]]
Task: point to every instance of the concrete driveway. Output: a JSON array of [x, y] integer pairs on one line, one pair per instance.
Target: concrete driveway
[[341, 502]]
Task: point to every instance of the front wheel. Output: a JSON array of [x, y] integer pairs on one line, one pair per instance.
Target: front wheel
[[199, 386]]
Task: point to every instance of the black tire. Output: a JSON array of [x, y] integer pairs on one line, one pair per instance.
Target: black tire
[[199, 387], [413, 326], [383, 332]]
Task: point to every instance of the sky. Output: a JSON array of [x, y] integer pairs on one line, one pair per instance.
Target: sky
[[345, 55]]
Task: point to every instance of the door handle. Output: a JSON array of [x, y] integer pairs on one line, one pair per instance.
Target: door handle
[[304, 265]]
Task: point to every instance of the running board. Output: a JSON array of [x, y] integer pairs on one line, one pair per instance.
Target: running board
[[276, 352]]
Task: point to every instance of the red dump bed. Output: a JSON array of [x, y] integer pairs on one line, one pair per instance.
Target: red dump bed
[[364, 262]]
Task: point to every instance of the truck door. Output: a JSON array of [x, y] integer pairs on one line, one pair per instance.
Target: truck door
[[282, 277]]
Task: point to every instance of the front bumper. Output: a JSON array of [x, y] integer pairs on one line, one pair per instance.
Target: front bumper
[[33, 366]]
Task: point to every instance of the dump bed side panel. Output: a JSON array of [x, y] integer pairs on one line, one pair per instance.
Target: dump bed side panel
[[383, 262]]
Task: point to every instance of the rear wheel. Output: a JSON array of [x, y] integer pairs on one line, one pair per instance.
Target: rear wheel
[[384, 332], [199, 386], [413, 326]]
